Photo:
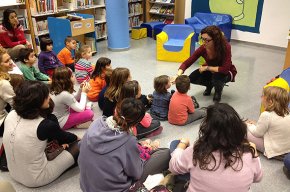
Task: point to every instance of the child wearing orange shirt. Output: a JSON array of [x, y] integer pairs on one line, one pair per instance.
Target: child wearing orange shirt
[[97, 80], [65, 55], [181, 107]]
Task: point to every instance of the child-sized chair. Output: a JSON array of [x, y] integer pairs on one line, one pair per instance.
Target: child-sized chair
[[202, 20], [175, 43]]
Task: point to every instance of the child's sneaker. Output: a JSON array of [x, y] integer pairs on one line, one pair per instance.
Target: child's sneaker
[[195, 103]]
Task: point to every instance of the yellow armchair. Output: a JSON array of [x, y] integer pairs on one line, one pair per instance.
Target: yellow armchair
[[175, 43]]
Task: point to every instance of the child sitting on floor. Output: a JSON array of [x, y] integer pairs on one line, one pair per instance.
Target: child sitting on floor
[[107, 78], [70, 110], [147, 127], [271, 133], [119, 76], [65, 55], [97, 80], [161, 98], [181, 107], [83, 66], [47, 60], [27, 58]]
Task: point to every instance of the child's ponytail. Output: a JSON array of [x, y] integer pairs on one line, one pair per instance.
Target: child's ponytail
[[130, 113]]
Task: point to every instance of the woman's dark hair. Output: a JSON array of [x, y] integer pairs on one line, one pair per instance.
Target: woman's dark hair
[[222, 132], [101, 64], [160, 83], [5, 21], [45, 42], [182, 84], [61, 81], [24, 54], [219, 42], [129, 114], [46, 112], [29, 98]]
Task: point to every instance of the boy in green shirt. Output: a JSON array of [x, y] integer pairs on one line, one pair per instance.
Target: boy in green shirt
[[27, 58]]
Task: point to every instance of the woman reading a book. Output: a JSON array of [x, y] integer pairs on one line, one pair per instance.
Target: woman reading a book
[[12, 34], [217, 69]]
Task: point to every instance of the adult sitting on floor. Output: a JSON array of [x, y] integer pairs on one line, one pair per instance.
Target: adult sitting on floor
[[28, 129], [109, 157], [12, 34]]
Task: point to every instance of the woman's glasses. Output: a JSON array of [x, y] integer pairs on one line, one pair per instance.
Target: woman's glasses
[[205, 40]]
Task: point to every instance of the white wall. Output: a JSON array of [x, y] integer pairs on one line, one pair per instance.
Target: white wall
[[7, 2], [274, 27]]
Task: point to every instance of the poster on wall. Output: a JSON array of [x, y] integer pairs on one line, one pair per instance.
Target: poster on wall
[[246, 13]]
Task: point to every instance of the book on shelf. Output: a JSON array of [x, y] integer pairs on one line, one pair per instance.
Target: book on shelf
[[91, 42], [155, 8], [43, 6], [168, 21], [101, 30], [100, 14], [169, 10], [135, 9], [163, 9], [134, 21]]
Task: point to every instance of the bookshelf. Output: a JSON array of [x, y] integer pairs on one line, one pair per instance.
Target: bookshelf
[[39, 11], [19, 8], [136, 12], [160, 10]]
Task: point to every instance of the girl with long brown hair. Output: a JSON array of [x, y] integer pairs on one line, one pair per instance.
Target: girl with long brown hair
[[70, 110], [218, 68]]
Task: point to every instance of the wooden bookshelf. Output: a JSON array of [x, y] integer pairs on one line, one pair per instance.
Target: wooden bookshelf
[[165, 11], [136, 12], [160, 10]]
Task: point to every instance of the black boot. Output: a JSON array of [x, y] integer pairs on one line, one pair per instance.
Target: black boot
[[218, 86], [207, 91]]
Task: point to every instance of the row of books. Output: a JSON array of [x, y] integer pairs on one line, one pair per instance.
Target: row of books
[[91, 42], [43, 6], [165, 20], [135, 9], [78, 4], [100, 14], [134, 21], [162, 9], [40, 27]]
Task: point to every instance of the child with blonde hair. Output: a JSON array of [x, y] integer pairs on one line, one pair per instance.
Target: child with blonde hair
[[97, 80], [83, 68], [181, 107], [272, 132]]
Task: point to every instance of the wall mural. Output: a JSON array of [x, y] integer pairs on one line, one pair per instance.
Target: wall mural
[[246, 13]]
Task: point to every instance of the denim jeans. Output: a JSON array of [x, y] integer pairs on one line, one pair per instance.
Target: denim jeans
[[287, 161]]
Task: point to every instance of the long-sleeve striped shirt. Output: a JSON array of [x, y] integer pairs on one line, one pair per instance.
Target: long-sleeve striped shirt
[[83, 70]]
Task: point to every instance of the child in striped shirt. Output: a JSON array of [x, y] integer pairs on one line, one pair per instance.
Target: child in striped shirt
[[83, 67]]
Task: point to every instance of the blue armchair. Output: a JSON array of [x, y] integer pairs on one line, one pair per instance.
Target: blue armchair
[[175, 43], [202, 20]]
